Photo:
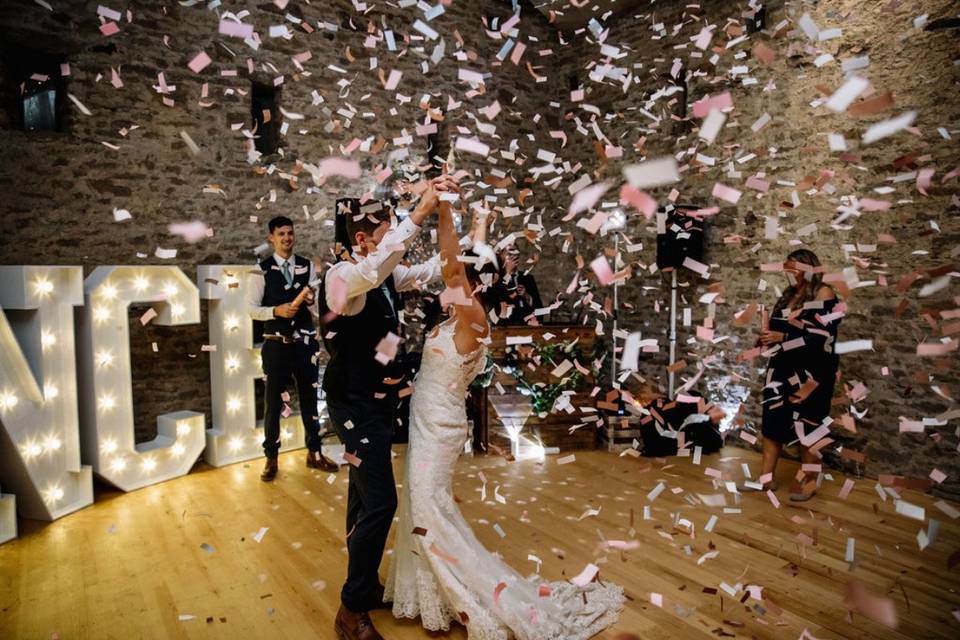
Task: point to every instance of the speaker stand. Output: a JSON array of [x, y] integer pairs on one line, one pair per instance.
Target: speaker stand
[[673, 329]]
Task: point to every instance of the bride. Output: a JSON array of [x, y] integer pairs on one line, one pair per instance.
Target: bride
[[439, 569]]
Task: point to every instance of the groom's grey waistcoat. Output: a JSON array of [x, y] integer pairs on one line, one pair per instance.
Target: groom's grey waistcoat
[[352, 343]]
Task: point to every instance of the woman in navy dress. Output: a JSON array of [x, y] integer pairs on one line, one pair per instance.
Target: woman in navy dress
[[802, 369]]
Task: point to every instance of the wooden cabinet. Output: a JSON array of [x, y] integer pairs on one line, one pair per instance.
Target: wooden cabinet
[[528, 363]]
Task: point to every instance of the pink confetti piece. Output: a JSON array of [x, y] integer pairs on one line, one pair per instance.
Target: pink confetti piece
[[875, 607], [847, 487], [472, 145], [928, 349], [703, 39], [923, 180], [729, 194], [517, 52], [587, 197], [586, 576], [148, 315], [754, 182], [602, 268], [192, 232], [387, 348], [352, 459], [109, 28], [696, 266], [938, 476], [639, 200], [393, 80], [773, 499], [719, 102], [869, 204], [199, 62], [343, 167], [236, 29]]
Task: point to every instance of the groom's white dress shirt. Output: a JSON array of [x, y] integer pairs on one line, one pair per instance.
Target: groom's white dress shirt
[[370, 271]]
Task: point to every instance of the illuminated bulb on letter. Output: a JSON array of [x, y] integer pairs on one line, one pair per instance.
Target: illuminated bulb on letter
[[178, 449], [183, 428], [118, 465], [285, 434], [170, 289], [44, 287], [104, 359], [236, 442], [109, 446], [231, 323], [177, 309], [232, 363], [140, 283], [32, 450], [47, 339], [109, 292], [53, 494], [106, 403], [7, 400], [50, 391], [51, 443], [101, 313], [149, 464], [233, 404]]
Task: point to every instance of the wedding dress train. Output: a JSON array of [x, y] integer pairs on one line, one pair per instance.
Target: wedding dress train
[[439, 570]]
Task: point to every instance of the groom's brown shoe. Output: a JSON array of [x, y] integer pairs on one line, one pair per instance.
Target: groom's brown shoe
[[354, 626], [269, 470], [316, 460]]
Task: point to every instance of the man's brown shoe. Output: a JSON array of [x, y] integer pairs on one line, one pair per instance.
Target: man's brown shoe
[[269, 470], [316, 460], [354, 626]]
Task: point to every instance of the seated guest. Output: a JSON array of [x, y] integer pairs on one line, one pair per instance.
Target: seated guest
[[517, 290], [671, 425]]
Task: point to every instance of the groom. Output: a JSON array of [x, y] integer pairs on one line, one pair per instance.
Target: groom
[[359, 312]]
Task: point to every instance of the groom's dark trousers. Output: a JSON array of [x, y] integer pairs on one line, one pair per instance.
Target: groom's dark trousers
[[372, 496]]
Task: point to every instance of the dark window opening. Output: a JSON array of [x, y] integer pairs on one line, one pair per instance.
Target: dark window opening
[[35, 89], [264, 108]]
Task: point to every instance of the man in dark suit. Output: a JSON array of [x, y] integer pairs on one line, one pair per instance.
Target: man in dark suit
[[360, 314], [281, 296]]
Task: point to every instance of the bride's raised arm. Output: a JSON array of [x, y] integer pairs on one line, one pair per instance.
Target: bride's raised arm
[[471, 316]]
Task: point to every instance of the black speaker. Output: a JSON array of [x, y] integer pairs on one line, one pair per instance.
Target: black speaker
[[758, 22], [683, 237]]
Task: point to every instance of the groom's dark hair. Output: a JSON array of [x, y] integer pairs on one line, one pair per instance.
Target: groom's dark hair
[[358, 218]]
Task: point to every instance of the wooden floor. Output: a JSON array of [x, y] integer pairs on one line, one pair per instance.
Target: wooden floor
[[180, 559]]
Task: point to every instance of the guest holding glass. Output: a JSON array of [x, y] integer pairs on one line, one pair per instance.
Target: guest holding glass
[[802, 369]]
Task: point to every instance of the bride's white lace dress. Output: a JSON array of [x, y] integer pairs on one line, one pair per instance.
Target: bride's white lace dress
[[439, 570]]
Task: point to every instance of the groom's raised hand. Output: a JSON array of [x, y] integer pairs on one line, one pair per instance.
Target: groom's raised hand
[[430, 198]]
